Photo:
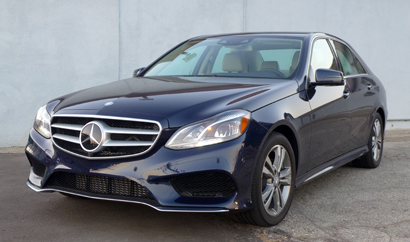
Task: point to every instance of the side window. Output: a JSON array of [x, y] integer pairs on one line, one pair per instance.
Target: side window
[[322, 58], [350, 64]]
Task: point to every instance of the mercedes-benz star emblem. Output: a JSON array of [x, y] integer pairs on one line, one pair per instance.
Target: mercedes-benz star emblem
[[91, 137]]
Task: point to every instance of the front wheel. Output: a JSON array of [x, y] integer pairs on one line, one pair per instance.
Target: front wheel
[[375, 144], [273, 183]]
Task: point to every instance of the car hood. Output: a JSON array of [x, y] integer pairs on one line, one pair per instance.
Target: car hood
[[179, 100]]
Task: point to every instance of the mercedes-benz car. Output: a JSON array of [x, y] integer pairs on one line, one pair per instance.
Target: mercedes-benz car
[[223, 123]]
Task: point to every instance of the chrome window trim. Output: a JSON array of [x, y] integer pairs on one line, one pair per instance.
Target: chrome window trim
[[355, 75], [106, 117]]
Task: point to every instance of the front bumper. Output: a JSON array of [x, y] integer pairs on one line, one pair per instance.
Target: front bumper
[[156, 207], [153, 172]]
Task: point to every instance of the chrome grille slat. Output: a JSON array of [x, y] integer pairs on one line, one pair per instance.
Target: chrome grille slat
[[68, 138], [68, 126], [131, 131], [127, 143], [123, 137]]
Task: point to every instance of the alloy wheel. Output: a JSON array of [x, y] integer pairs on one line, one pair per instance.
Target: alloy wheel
[[276, 180], [376, 140]]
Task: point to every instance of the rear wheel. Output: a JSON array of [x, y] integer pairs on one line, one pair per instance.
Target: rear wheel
[[273, 183], [372, 158]]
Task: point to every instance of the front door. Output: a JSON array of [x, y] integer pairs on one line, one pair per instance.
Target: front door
[[330, 115]]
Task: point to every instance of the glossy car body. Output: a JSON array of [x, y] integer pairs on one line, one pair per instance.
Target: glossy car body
[[326, 125]]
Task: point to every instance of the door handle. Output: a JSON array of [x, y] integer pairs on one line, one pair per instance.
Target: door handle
[[369, 86], [346, 94]]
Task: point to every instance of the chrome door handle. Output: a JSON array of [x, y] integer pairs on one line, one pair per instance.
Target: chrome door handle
[[369, 86]]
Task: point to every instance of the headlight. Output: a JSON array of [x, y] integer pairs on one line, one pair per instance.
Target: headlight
[[42, 122], [220, 128]]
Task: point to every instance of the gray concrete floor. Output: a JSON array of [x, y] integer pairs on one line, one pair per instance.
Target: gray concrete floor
[[348, 204]]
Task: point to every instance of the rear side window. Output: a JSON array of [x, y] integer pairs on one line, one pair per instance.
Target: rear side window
[[350, 63]]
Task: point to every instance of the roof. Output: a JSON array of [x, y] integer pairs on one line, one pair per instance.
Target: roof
[[298, 34]]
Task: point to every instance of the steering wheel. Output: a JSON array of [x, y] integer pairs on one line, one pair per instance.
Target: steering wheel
[[276, 72]]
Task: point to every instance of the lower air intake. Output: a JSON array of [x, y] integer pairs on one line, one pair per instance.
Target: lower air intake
[[38, 168], [204, 185], [99, 185]]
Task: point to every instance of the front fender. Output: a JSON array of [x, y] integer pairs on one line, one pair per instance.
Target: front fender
[[291, 117]]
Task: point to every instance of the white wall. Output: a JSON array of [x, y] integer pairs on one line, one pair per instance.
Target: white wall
[[52, 47], [49, 48], [378, 30], [152, 27]]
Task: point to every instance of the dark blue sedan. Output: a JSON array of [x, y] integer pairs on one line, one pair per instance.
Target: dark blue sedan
[[223, 123]]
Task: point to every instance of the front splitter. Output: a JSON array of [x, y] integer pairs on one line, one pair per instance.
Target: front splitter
[[158, 208]]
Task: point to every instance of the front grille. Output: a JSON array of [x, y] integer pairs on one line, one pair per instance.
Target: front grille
[[107, 152], [120, 188], [122, 137], [204, 184]]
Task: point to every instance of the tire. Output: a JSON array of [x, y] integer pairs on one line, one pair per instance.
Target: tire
[[272, 191], [373, 157]]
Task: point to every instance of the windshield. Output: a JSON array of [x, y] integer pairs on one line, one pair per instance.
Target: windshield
[[232, 56]]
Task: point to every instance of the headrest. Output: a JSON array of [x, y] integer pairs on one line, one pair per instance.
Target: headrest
[[233, 62], [270, 65], [349, 57], [295, 59]]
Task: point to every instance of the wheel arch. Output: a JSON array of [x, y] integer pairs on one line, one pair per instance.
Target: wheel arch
[[289, 133], [383, 115]]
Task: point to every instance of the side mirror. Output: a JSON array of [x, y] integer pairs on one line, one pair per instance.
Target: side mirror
[[138, 71], [326, 77]]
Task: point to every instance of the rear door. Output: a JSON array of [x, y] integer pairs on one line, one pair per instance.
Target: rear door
[[362, 95]]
